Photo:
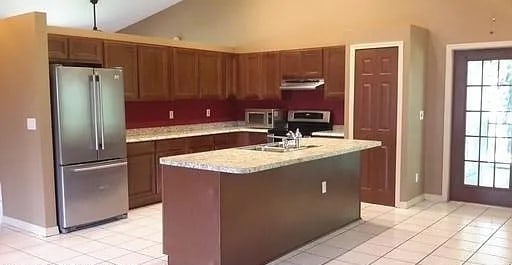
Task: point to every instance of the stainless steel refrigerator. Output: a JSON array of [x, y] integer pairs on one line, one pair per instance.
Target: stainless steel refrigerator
[[89, 145]]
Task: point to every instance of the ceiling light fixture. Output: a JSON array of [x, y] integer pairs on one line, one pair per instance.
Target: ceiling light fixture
[[94, 2]]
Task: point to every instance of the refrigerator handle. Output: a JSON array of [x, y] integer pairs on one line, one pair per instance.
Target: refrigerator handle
[[95, 109], [121, 164], [100, 108]]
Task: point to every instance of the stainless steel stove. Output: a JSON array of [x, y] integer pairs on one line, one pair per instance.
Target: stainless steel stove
[[307, 121]]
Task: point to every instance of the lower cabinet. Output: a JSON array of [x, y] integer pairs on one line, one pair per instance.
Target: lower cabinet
[[145, 172], [142, 182]]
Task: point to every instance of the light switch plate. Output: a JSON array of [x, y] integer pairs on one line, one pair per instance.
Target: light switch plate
[[208, 113], [324, 187], [31, 124], [171, 115]]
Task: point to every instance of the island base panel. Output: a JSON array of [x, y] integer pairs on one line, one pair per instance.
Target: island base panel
[[256, 217]]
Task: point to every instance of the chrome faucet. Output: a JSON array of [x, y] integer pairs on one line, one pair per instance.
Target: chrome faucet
[[295, 136]]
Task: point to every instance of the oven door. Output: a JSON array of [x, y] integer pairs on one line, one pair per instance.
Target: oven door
[[258, 119]]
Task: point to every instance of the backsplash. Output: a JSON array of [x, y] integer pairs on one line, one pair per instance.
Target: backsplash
[[155, 114]]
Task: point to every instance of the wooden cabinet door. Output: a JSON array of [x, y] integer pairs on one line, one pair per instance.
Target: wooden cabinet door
[[312, 63], [118, 54], [272, 75], [142, 184], [230, 75], [257, 138], [86, 50], [251, 75], [185, 74], [165, 148], [211, 75], [226, 140], [291, 64], [57, 47], [200, 144], [334, 72], [153, 73]]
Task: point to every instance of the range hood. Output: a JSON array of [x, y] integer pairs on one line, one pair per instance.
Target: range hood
[[301, 84]]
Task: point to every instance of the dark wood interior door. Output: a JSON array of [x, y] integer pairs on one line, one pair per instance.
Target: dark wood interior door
[[375, 114], [481, 147]]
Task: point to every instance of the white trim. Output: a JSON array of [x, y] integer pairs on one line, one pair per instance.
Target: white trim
[[400, 87], [411, 202], [434, 197], [38, 230], [448, 92]]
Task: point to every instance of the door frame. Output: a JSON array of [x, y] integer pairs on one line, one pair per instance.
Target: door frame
[[400, 85], [448, 103]]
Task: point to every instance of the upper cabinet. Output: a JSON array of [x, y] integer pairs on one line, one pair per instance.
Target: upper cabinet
[[184, 74], [334, 70], [124, 55], [163, 73], [272, 74], [211, 75], [250, 76], [76, 49], [230, 75], [57, 47], [153, 72], [307, 63]]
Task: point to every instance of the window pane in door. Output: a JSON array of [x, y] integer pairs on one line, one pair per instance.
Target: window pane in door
[[473, 123], [488, 124], [503, 150], [505, 72], [487, 149], [496, 98], [475, 73], [473, 98], [471, 148], [502, 176], [490, 73], [486, 174], [471, 173]]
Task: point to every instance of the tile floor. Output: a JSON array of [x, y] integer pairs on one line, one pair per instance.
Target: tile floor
[[428, 233]]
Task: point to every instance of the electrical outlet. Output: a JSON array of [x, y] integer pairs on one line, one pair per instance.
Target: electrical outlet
[[208, 113], [422, 115], [417, 177], [324, 187], [31, 124], [171, 114]]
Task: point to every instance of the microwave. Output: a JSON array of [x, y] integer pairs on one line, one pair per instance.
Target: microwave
[[264, 118]]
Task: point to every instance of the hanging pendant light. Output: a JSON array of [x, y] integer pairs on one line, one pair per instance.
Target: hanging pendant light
[[94, 2]]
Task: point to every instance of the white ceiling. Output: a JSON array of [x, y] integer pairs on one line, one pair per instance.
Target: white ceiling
[[112, 15]]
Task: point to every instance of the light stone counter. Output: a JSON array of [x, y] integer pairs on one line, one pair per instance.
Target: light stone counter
[[181, 131], [336, 132], [242, 161]]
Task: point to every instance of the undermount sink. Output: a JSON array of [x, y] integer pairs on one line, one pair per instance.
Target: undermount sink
[[276, 147]]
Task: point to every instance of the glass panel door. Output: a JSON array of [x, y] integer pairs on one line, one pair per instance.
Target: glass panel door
[[488, 132]]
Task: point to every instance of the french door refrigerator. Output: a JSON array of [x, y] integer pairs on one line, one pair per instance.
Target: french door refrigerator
[[89, 145]]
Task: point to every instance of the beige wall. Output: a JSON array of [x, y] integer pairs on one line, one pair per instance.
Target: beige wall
[[26, 157], [269, 24]]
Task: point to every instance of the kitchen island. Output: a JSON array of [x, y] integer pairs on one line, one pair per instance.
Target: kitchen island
[[241, 206]]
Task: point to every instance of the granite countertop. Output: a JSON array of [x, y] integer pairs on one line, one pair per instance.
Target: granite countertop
[[332, 133], [171, 132], [241, 161], [336, 132]]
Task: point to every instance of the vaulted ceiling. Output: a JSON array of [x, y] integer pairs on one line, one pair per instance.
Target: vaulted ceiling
[[112, 15]]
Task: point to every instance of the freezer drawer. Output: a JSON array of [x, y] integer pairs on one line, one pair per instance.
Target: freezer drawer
[[91, 192]]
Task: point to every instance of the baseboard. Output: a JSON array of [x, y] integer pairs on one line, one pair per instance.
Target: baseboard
[[38, 230], [411, 202], [434, 197]]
